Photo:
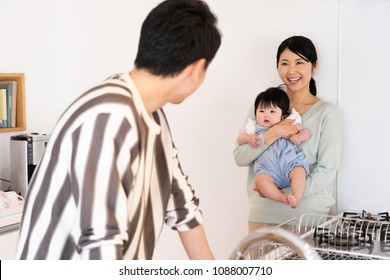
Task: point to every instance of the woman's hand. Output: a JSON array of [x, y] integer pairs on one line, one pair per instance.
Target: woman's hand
[[284, 129]]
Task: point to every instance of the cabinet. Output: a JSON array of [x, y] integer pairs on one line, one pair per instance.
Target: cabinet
[[20, 101]]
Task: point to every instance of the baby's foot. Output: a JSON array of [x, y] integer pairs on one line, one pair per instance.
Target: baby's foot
[[293, 201], [285, 199]]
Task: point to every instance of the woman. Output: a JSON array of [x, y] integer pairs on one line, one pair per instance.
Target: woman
[[296, 64]]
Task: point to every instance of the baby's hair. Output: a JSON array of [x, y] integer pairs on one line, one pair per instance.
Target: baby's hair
[[273, 96]]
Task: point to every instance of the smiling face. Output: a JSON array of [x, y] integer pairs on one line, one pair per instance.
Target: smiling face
[[268, 116], [295, 71]]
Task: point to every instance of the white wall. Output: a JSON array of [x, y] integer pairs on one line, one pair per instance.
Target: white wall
[[365, 101], [63, 47], [206, 125]]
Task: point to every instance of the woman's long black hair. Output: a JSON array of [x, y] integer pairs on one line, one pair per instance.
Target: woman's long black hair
[[304, 48]]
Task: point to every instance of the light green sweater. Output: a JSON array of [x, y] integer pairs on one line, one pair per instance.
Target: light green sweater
[[322, 150]]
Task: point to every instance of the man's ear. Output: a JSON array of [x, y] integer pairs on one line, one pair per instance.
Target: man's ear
[[198, 68]]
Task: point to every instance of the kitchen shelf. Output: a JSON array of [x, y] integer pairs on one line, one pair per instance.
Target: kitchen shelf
[[20, 102]]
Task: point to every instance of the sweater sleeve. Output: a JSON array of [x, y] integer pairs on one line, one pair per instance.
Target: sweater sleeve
[[244, 154], [329, 151]]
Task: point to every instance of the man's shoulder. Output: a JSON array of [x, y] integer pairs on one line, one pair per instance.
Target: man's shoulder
[[116, 77]]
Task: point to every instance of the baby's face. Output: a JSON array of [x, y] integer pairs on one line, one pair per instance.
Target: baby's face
[[268, 116]]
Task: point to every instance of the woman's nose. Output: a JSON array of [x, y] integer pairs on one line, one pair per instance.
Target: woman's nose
[[291, 69]]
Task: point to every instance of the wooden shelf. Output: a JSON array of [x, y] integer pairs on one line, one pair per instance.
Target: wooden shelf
[[20, 102]]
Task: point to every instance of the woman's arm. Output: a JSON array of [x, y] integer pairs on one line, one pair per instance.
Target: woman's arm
[[284, 129], [328, 153], [244, 155]]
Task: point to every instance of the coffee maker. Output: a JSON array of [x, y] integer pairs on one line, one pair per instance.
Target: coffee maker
[[25, 154]]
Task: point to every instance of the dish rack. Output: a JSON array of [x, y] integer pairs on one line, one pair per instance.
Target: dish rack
[[325, 237]]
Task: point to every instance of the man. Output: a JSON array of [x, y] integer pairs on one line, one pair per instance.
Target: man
[[110, 175]]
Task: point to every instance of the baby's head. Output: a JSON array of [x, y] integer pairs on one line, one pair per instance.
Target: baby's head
[[266, 103]]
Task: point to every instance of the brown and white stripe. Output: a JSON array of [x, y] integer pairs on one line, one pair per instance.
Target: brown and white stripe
[[108, 180]]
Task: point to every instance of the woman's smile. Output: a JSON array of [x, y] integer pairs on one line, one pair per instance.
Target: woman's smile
[[293, 80]]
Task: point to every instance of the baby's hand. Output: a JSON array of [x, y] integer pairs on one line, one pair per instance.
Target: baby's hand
[[296, 139], [253, 140]]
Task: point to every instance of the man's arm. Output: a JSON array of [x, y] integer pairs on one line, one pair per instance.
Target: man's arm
[[195, 243]]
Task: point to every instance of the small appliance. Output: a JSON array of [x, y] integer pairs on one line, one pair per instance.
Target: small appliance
[[25, 154]]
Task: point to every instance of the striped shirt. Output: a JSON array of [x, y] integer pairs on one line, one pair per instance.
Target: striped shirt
[[109, 179]]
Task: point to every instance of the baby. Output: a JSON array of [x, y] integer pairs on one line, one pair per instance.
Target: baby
[[282, 164]]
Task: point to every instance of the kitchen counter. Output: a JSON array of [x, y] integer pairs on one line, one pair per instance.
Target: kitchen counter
[[9, 231]]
